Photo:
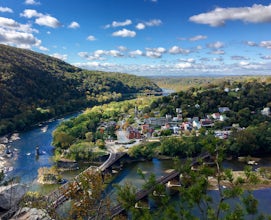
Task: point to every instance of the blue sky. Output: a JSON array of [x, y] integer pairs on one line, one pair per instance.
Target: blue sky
[[145, 37]]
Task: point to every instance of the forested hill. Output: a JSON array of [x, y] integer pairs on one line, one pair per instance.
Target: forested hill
[[35, 87]]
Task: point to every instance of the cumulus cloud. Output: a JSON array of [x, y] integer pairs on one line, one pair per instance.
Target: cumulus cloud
[[140, 26], [100, 54], [41, 19], [218, 52], [265, 44], [60, 56], [17, 34], [124, 33], [219, 16], [31, 2], [153, 22], [251, 43], [74, 25], [198, 37], [178, 50], [122, 48], [119, 23], [91, 38], [48, 21], [239, 58], [266, 57], [155, 52], [150, 23], [5, 9], [216, 45], [30, 13], [136, 53], [43, 48], [183, 65]]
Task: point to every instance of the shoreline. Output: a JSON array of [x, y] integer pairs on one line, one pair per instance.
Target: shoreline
[[263, 183]]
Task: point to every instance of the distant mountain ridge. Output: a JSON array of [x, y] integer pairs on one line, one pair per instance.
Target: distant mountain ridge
[[35, 87]]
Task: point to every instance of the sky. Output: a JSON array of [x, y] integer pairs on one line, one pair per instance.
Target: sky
[[145, 37]]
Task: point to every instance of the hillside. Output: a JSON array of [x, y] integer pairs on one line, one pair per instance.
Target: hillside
[[35, 87], [181, 83]]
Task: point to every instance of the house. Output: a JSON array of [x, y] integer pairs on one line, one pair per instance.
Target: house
[[145, 127], [216, 116], [223, 109], [133, 133], [168, 117], [196, 124], [178, 110], [266, 111], [197, 106], [222, 118], [206, 122], [187, 126], [176, 129]]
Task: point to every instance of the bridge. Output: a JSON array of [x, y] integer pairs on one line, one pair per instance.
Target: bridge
[[58, 197], [118, 209]]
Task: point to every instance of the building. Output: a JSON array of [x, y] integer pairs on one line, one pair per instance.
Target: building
[[156, 121], [266, 111], [223, 109]]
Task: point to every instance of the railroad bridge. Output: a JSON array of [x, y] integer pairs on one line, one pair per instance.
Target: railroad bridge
[[165, 180], [57, 197]]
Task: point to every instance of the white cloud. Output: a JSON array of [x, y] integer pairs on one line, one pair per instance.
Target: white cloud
[[155, 52], [178, 50], [216, 45], [183, 65], [43, 48], [74, 25], [251, 43], [219, 16], [122, 48], [91, 38], [30, 13], [48, 21], [5, 9], [41, 19], [265, 44], [150, 23], [115, 53], [136, 53], [100, 54], [266, 57], [182, 68], [140, 26], [121, 23], [124, 33], [218, 52], [153, 22], [60, 56], [31, 2], [17, 34], [236, 57], [198, 37]]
